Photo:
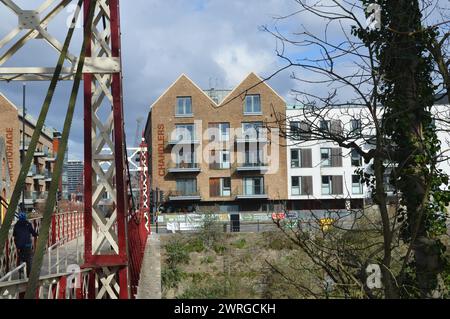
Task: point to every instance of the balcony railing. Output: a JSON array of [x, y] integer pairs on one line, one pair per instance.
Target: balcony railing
[[38, 173], [185, 168], [27, 144], [252, 192], [184, 195], [216, 165], [40, 196], [32, 197], [184, 140], [50, 157], [252, 166]]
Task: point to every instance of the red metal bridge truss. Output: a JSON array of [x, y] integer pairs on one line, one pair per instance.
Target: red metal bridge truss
[[114, 234]]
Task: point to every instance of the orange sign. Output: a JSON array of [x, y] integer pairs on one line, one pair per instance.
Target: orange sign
[[161, 161]]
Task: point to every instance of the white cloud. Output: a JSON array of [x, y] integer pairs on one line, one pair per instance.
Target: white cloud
[[237, 61]]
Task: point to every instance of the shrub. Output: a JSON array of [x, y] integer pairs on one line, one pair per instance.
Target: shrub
[[240, 244], [171, 277], [195, 244], [176, 253]]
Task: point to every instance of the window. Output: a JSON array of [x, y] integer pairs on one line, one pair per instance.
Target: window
[[325, 157], [301, 185], [295, 185], [324, 125], [301, 158], [356, 158], [184, 106], [185, 132], [220, 187], [300, 130], [253, 156], [252, 130], [357, 187], [254, 186], [220, 160], [224, 132], [225, 159], [186, 157], [331, 157], [219, 132], [295, 158], [326, 185], [332, 185], [336, 127], [187, 186], [356, 126], [225, 186], [252, 104]]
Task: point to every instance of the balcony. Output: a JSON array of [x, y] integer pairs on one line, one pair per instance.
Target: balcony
[[27, 144], [252, 139], [185, 168], [252, 167], [50, 157], [40, 197], [252, 193], [29, 200], [37, 173], [184, 141], [184, 196], [48, 176], [39, 153]]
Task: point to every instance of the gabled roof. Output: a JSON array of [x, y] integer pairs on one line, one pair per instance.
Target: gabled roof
[[230, 94], [259, 80]]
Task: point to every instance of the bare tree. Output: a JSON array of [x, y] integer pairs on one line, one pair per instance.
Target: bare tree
[[344, 77]]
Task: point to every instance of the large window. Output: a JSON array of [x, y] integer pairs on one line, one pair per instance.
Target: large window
[[220, 159], [186, 157], [301, 158], [331, 157], [220, 187], [219, 132], [356, 126], [332, 185], [300, 130], [185, 132], [184, 106], [357, 187], [254, 186], [253, 156], [252, 104], [252, 130], [301, 185], [356, 158], [324, 125], [187, 187], [325, 157]]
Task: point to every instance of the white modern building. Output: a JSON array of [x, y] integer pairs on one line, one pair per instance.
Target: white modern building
[[323, 175], [320, 173]]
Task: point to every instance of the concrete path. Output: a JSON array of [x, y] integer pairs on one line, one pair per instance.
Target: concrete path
[[150, 280]]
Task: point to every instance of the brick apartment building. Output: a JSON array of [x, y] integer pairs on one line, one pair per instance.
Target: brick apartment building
[[39, 176], [210, 150]]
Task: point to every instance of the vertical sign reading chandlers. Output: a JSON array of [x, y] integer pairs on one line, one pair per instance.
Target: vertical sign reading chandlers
[[161, 140]]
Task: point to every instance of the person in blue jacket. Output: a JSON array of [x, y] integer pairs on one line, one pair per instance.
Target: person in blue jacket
[[23, 230]]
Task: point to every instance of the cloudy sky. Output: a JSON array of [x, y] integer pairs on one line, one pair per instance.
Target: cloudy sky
[[214, 42]]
